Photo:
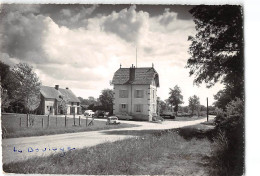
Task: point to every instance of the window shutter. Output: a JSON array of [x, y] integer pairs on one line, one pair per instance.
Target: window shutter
[[141, 108], [142, 93], [126, 108], [135, 93]]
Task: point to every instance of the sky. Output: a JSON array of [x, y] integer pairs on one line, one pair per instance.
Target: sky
[[81, 46]]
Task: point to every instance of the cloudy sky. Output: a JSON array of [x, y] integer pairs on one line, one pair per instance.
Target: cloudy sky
[[81, 46]]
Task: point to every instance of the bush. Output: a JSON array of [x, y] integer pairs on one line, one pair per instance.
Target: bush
[[229, 142]]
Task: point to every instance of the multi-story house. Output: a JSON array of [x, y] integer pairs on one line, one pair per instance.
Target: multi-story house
[[52, 97], [135, 92]]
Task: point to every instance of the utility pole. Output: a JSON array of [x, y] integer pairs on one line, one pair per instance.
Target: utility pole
[[207, 110]]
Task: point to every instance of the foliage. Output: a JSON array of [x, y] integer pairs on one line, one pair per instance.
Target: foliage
[[162, 106], [62, 104], [27, 90], [217, 48], [5, 101], [106, 99], [4, 70], [175, 97], [91, 101], [194, 102], [231, 125]]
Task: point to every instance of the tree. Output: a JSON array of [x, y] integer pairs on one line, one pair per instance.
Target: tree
[[27, 90], [63, 104], [106, 99], [161, 105], [217, 49], [4, 70], [175, 98], [194, 103], [5, 101]]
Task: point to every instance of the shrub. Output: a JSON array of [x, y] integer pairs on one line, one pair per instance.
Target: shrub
[[230, 129]]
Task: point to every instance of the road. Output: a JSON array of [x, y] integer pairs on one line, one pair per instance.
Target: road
[[18, 149]]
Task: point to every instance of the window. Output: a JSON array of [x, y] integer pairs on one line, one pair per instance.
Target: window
[[139, 93], [123, 94], [123, 108], [138, 108], [72, 103]]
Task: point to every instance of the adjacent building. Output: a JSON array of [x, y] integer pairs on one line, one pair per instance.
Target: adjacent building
[[135, 92], [53, 97]]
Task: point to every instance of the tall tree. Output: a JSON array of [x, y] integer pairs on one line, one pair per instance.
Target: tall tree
[[217, 49], [175, 98], [194, 102], [106, 99], [27, 90]]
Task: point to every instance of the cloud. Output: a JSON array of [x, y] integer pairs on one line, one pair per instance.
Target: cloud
[[83, 51], [22, 33], [167, 17], [127, 23], [75, 18]]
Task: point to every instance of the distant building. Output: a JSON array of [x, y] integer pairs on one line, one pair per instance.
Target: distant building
[[135, 92], [51, 98]]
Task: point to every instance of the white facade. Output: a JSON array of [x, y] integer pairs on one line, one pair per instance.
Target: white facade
[[139, 101]]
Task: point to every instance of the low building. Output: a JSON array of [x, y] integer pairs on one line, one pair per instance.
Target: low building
[[135, 92], [53, 97]]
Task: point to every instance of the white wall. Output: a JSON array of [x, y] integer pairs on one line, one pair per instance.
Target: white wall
[[48, 103], [144, 101]]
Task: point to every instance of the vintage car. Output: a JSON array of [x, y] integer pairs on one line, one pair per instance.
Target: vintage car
[[112, 120], [89, 113], [167, 114]]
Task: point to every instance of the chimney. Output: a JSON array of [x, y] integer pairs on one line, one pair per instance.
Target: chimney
[[67, 88], [132, 74], [57, 87]]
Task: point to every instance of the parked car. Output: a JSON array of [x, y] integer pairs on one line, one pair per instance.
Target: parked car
[[112, 120], [167, 114], [89, 113]]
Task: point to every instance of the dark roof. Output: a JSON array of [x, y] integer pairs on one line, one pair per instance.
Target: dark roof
[[51, 92], [143, 75]]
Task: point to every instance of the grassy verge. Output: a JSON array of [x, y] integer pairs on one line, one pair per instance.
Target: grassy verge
[[169, 152], [12, 129]]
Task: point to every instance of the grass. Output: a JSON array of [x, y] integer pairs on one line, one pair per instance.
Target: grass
[[12, 129], [184, 151]]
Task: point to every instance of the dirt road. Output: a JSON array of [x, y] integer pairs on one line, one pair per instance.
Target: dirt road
[[18, 149]]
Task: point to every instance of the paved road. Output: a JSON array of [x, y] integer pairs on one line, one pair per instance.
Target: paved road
[[18, 149]]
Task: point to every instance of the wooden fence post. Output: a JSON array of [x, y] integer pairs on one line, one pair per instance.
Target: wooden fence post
[[79, 120], [74, 119], [65, 120], [27, 120], [86, 121], [20, 121], [42, 122], [48, 123], [56, 120]]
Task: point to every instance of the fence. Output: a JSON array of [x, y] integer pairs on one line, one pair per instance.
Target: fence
[[14, 121]]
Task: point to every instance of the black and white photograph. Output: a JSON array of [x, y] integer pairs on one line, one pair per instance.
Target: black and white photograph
[[123, 89]]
